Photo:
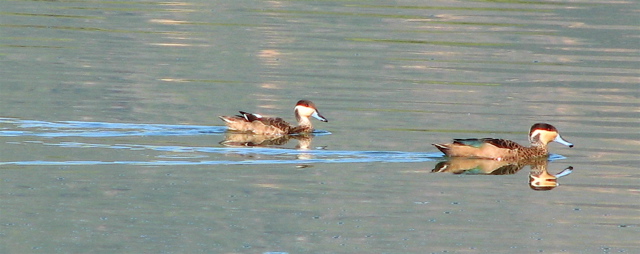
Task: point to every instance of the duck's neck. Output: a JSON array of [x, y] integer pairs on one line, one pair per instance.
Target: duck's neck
[[304, 122], [304, 125], [540, 147]]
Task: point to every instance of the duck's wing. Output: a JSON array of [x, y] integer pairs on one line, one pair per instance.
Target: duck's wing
[[276, 122], [478, 142]]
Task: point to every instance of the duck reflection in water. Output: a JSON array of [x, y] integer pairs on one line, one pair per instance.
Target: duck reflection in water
[[239, 139], [541, 180], [539, 177]]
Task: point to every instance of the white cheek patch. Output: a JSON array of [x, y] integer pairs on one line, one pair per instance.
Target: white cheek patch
[[304, 111], [535, 135]]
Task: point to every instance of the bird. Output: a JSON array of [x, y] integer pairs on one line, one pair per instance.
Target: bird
[[257, 124], [540, 135]]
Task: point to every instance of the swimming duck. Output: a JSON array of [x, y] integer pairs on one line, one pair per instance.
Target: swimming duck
[[501, 149], [257, 124]]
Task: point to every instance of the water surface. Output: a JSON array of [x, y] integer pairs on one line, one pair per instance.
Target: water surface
[[110, 141]]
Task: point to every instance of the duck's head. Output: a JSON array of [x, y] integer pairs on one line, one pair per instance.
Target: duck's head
[[306, 108], [543, 133]]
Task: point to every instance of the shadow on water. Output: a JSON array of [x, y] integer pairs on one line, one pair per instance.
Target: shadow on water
[[247, 149]]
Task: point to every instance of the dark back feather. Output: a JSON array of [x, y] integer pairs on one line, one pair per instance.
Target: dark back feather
[[248, 116]]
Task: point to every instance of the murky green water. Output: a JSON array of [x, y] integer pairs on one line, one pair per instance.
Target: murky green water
[[110, 140]]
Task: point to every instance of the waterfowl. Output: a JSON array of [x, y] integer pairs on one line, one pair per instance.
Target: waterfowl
[[257, 124], [501, 149]]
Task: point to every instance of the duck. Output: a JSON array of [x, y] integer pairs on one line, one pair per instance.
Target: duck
[[259, 125], [540, 135]]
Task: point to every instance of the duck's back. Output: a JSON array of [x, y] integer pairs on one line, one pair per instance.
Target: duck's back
[[254, 123]]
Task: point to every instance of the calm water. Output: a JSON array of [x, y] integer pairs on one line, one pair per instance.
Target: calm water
[[110, 141]]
